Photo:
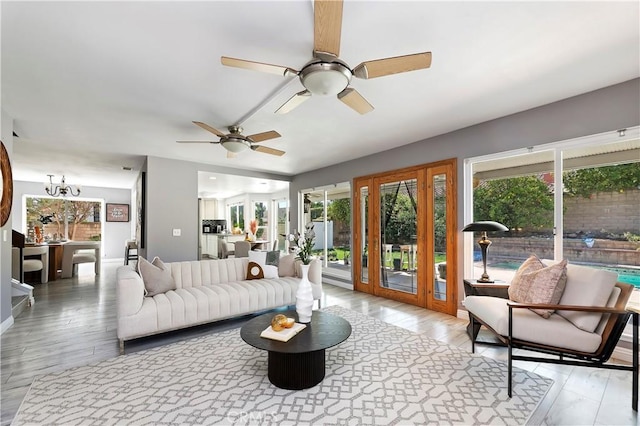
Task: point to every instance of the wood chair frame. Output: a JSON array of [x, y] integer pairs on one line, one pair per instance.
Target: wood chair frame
[[618, 319]]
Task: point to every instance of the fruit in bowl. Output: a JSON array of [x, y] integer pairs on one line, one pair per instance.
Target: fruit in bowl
[[280, 322]]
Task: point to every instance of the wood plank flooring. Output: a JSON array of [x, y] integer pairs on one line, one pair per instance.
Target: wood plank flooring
[[73, 323]]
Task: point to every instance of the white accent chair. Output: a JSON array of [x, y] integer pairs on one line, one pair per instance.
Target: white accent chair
[[75, 252], [30, 265], [583, 329]]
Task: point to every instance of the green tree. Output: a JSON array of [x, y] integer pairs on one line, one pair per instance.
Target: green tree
[[585, 182], [400, 228], [340, 210], [77, 212], [521, 203]]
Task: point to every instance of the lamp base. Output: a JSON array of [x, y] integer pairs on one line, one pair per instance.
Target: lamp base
[[485, 280]]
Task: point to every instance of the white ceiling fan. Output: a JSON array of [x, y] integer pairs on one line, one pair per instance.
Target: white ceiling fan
[[235, 142], [325, 74]]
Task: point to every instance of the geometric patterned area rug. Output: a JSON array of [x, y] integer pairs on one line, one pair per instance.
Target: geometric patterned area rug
[[382, 374]]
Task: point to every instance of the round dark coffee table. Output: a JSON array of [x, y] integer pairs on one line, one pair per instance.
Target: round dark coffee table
[[300, 362]]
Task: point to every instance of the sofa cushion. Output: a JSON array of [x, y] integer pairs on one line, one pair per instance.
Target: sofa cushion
[[260, 257], [254, 271], [156, 276], [586, 287], [555, 331], [536, 283]]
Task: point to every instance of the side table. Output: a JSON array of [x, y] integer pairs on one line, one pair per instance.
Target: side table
[[474, 288]]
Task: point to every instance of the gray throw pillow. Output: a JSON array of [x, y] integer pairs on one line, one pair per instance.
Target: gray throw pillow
[[156, 276], [273, 258]]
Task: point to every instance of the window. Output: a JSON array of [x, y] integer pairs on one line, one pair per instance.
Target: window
[[54, 219], [236, 217], [576, 200], [261, 216], [330, 212]]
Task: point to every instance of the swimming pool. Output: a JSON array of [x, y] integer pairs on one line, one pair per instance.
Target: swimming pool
[[629, 275]]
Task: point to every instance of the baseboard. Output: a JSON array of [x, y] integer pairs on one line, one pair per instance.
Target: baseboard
[[622, 354], [6, 324], [348, 285], [462, 314]]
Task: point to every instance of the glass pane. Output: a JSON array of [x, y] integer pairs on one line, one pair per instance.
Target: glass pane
[[46, 220], [282, 225], [339, 223], [601, 218], [241, 217], [316, 215], [516, 191], [440, 236], [364, 233], [262, 221], [398, 229]]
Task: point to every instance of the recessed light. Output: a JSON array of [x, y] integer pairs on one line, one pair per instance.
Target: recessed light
[[213, 177]]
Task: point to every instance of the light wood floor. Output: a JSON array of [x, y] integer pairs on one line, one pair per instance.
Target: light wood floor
[[73, 324]]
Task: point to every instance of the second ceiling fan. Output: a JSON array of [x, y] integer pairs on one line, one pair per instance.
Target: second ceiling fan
[[235, 142], [325, 74]]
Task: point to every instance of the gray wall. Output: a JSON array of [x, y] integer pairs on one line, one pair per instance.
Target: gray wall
[[172, 203], [5, 236], [603, 110], [114, 234]]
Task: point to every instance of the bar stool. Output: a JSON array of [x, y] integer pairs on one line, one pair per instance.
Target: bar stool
[[130, 251]]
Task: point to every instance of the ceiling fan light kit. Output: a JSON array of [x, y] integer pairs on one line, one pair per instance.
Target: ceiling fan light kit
[[235, 145], [325, 78]]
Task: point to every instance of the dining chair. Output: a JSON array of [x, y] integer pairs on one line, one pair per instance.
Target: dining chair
[[75, 252]]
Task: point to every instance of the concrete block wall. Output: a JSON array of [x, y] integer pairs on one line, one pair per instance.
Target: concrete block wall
[[611, 212]]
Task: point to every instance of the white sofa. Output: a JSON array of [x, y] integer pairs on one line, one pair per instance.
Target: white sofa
[[206, 291]]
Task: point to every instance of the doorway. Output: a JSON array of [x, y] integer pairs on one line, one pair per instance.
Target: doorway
[[405, 235]]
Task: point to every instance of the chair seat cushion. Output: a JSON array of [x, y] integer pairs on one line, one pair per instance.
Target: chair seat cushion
[[84, 258], [30, 265], [527, 325]]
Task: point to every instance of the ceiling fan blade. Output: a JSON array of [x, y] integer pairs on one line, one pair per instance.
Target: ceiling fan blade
[[267, 150], [265, 136], [355, 100], [256, 66], [294, 102], [231, 154], [209, 128], [197, 141], [327, 25], [398, 64]]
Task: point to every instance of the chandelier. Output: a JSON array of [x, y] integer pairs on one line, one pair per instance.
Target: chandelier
[[60, 190]]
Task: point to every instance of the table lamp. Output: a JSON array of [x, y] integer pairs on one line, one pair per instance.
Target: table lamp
[[484, 227]]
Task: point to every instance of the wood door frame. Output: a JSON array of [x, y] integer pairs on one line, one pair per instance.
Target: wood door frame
[[424, 228]]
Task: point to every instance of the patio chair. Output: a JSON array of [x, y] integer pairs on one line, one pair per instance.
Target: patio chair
[[577, 333]]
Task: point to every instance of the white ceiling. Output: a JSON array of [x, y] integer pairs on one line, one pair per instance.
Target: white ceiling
[[95, 86], [222, 186]]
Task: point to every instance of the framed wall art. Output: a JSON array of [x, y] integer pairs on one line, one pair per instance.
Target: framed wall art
[[117, 212]]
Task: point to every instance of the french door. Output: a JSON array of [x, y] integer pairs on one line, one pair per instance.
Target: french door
[[405, 224]]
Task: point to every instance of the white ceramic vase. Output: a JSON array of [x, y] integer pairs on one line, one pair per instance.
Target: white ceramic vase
[[304, 297]]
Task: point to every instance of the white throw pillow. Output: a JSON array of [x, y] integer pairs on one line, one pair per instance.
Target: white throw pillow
[[156, 276], [260, 257]]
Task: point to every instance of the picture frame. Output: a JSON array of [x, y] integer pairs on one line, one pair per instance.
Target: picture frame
[[117, 212]]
